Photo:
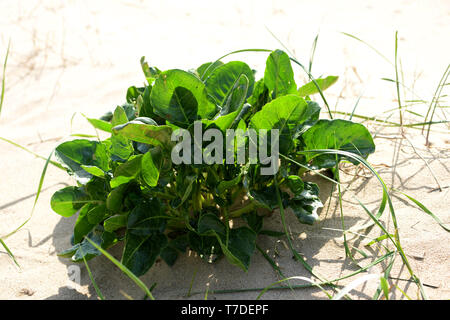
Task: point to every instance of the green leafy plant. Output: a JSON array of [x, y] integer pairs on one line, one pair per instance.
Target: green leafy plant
[[128, 188]]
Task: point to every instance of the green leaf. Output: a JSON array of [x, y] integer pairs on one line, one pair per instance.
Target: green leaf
[[266, 197], [121, 148], [127, 171], [279, 76], [115, 222], [140, 252], [169, 255], [119, 116], [210, 225], [146, 133], [339, 135], [207, 68], [180, 97], [100, 124], [86, 251], [260, 95], [67, 201], [306, 204], [147, 218], [241, 241], [295, 184], [97, 214], [226, 79], [254, 221], [240, 247], [288, 114], [95, 171], [73, 154], [82, 225], [310, 88], [152, 162], [207, 247]]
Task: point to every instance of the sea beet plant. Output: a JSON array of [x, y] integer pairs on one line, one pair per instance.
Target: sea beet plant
[[129, 188]]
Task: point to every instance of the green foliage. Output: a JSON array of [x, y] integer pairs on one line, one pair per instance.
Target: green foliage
[[129, 190]]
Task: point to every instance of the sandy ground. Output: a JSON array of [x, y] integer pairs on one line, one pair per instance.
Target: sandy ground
[[79, 57]]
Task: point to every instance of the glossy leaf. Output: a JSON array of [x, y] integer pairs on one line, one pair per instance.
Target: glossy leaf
[[147, 218], [226, 79], [180, 97], [146, 133], [340, 135], [127, 171], [140, 252], [279, 76], [287, 114], [305, 204], [67, 201]]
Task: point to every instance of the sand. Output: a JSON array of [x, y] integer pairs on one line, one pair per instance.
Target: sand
[[80, 57]]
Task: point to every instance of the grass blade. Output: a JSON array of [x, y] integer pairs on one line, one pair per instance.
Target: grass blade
[[9, 252], [38, 193], [56, 164], [427, 211], [2, 96], [124, 269], [97, 289]]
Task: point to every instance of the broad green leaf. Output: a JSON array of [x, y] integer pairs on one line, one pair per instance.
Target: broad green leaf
[[340, 135], [237, 96], [100, 124], [119, 116], [207, 247], [260, 95], [207, 68], [152, 162], [140, 252], [305, 204], [120, 148], [95, 171], [86, 250], [147, 218], [114, 201], [127, 171], [68, 201], [254, 221], [241, 241], [133, 94], [288, 114], [145, 133], [78, 152], [209, 225], [295, 184], [240, 247], [227, 78], [115, 222], [266, 197], [180, 97], [310, 88], [279, 76], [97, 214], [82, 225], [169, 254]]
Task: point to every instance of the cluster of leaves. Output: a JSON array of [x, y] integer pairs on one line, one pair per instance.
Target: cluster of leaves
[[129, 190]]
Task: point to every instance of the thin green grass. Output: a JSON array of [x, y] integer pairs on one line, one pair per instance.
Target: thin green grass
[[38, 193], [2, 96], [8, 251]]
